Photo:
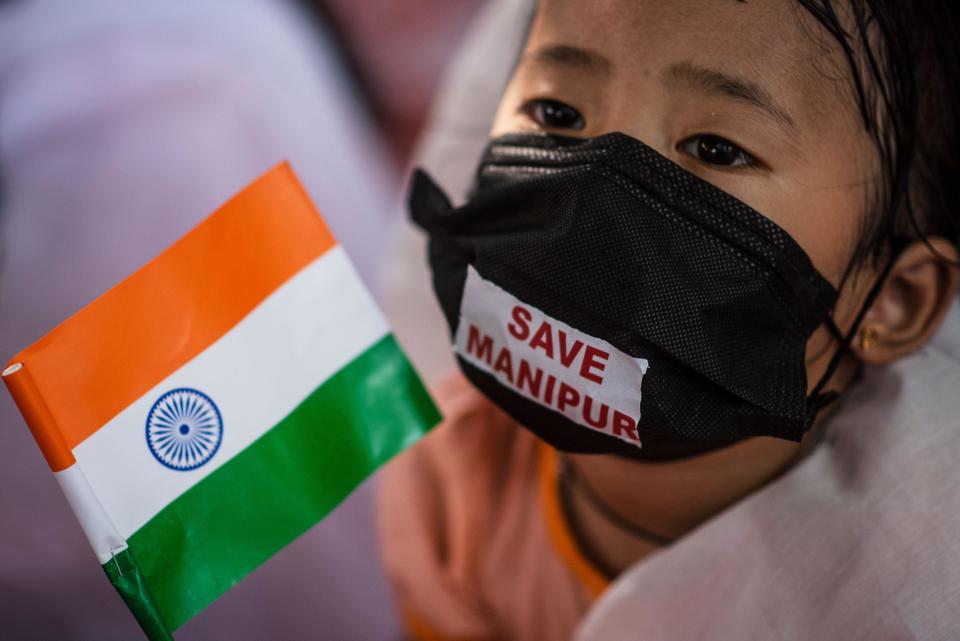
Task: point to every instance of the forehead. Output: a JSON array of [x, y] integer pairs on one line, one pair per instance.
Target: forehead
[[773, 43]]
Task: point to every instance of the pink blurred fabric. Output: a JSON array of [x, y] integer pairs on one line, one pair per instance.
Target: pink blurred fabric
[[471, 533], [403, 48], [122, 124]]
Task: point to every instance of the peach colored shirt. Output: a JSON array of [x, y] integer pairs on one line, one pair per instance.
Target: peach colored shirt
[[473, 535]]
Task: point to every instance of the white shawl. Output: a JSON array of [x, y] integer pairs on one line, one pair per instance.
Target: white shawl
[[860, 541]]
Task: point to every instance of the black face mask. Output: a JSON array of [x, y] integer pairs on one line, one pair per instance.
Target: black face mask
[[612, 302]]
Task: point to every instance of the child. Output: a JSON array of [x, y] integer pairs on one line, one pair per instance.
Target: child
[[694, 224]]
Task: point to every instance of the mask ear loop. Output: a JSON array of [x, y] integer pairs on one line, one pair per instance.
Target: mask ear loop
[[818, 398]]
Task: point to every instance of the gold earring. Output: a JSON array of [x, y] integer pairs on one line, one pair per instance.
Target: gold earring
[[869, 337]]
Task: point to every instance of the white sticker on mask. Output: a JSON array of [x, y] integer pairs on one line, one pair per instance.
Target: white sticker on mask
[[582, 377]]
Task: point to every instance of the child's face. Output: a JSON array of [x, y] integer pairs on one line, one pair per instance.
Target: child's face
[[751, 97]]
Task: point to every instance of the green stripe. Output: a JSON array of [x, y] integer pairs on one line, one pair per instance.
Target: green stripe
[[220, 530]]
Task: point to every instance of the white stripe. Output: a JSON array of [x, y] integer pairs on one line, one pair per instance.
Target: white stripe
[[303, 333], [100, 531]]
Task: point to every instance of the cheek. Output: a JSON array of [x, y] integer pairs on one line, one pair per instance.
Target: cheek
[[507, 119], [827, 229], [824, 218], [822, 345], [820, 349], [821, 204]]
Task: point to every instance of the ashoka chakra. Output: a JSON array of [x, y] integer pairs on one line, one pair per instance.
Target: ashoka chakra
[[184, 429]]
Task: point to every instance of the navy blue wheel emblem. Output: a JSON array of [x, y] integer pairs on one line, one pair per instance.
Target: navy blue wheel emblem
[[184, 429]]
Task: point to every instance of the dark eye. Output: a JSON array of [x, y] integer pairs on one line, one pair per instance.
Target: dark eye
[[553, 114], [717, 151]]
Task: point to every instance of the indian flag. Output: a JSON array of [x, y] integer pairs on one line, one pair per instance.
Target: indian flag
[[219, 402]]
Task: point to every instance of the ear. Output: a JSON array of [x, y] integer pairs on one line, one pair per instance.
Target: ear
[[917, 295]]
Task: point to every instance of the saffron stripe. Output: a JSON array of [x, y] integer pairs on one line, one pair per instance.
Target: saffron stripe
[[119, 346], [224, 527]]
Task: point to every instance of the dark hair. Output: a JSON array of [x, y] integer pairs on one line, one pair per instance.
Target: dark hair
[[906, 77]]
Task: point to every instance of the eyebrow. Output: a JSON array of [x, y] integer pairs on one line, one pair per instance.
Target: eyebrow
[[717, 82], [569, 56], [705, 79]]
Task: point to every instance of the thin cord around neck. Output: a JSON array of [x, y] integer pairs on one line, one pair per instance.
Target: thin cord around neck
[[569, 474]]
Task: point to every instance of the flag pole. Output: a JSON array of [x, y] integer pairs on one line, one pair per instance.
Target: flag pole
[[124, 574]]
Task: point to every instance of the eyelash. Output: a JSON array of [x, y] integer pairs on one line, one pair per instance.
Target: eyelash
[[541, 110], [544, 110], [708, 143]]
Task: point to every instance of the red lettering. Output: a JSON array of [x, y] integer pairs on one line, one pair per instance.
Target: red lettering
[[544, 339], [504, 364], [601, 421], [625, 424], [521, 329], [548, 395], [567, 357], [593, 358], [531, 377], [480, 345], [567, 396]]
